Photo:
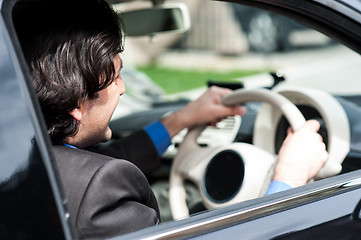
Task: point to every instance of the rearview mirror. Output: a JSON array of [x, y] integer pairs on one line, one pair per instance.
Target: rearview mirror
[[166, 18]]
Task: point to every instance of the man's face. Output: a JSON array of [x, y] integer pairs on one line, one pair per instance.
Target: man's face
[[96, 113]]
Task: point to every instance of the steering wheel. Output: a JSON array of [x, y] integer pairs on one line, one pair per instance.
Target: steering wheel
[[246, 169]]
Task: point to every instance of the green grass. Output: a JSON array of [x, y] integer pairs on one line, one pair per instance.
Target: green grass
[[176, 80]]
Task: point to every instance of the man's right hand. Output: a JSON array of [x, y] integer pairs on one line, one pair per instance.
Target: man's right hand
[[302, 155]]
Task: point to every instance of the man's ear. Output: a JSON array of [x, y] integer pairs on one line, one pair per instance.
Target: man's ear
[[76, 113]]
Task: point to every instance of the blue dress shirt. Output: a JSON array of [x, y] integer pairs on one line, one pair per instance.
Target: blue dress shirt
[[159, 135], [277, 186]]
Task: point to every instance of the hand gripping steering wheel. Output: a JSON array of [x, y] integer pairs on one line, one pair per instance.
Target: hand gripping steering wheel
[[193, 162]]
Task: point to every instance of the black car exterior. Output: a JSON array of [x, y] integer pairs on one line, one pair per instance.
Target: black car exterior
[[33, 205]]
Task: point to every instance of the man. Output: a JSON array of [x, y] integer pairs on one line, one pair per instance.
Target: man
[[75, 64]]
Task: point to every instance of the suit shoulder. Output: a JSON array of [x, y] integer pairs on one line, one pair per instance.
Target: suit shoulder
[[77, 168], [118, 199]]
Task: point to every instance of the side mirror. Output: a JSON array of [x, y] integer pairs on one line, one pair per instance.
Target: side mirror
[[165, 18]]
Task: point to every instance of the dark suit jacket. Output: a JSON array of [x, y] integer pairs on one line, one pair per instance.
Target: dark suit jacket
[[108, 196]]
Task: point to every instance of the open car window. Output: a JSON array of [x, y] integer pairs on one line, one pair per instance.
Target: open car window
[[242, 47]]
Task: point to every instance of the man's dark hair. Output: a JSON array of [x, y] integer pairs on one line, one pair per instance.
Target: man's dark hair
[[70, 47]]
